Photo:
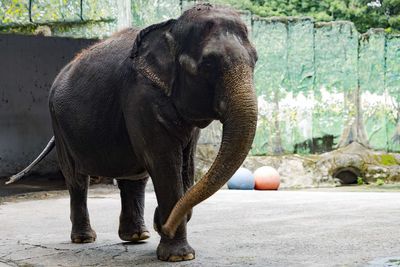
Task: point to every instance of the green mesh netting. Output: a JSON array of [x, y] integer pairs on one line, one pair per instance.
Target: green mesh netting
[[297, 105], [14, 12], [270, 39], [335, 53], [309, 89], [48, 11], [92, 19], [146, 12], [392, 79], [372, 84], [99, 9], [88, 30]]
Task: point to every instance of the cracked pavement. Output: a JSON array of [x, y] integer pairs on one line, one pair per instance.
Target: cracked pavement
[[233, 228]]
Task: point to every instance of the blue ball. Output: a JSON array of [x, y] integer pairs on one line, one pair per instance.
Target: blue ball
[[243, 179]]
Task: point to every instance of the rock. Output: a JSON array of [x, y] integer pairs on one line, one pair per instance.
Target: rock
[[302, 171]]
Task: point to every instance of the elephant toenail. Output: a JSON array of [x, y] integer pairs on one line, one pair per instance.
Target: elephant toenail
[[189, 256], [144, 235]]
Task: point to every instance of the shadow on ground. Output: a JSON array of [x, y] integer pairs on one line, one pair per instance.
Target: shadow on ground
[[32, 183]]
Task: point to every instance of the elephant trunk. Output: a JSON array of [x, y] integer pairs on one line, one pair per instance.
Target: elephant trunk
[[238, 108]]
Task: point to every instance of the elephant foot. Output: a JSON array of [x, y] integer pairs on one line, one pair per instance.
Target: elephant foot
[[83, 236], [134, 237], [156, 221], [175, 250], [131, 233]]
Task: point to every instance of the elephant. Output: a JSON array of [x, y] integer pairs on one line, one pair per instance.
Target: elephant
[[131, 107]]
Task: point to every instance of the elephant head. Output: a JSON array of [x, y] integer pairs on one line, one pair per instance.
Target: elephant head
[[204, 62]]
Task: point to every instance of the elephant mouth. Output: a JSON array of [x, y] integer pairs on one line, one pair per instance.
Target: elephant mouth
[[202, 123]]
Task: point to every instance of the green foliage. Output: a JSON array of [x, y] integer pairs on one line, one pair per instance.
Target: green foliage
[[380, 182], [363, 13], [92, 19], [96, 29], [386, 159], [14, 12], [30, 29], [240, 4], [47, 11], [360, 181], [146, 12], [98, 9]]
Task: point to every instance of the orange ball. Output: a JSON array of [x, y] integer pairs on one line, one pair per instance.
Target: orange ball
[[266, 178]]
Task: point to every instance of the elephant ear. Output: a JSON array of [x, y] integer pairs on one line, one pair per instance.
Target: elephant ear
[[153, 55]]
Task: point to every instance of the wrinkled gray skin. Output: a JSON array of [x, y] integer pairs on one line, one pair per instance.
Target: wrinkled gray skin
[[133, 104]]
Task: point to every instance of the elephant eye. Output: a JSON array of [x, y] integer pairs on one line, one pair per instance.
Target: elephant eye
[[208, 67], [209, 62], [209, 25]]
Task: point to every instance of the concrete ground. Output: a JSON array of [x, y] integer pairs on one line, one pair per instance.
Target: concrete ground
[[233, 228]]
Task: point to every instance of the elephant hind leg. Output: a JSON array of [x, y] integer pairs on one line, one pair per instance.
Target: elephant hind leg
[[131, 223], [77, 185], [81, 232]]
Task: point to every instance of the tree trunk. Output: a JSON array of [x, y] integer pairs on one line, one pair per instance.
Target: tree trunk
[[354, 130], [277, 148], [396, 135]]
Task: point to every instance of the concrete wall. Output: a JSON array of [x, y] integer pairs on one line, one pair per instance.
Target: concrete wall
[[28, 66]]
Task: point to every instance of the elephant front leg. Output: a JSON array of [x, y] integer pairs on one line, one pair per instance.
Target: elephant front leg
[[188, 165], [167, 179], [187, 176], [131, 223]]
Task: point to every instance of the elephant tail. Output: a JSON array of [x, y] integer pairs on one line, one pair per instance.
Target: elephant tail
[[46, 150]]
